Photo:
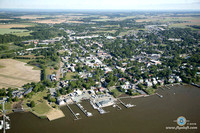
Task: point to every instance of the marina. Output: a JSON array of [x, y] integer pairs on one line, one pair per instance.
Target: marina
[[123, 120], [88, 114]]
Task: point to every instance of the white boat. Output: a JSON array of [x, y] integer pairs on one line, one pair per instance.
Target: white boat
[[89, 114], [77, 114], [129, 105], [1, 126], [101, 111]]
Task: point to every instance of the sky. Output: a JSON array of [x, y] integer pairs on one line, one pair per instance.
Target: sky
[[101, 4]]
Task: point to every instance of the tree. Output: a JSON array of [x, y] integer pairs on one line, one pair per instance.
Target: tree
[[15, 99], [140, 86], [32, 104], [53, 100]]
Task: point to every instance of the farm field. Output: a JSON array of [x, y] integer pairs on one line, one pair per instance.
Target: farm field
[[6, 29], [185, 21], [50, 21], [15, 73], [33, 16], [20, 32]]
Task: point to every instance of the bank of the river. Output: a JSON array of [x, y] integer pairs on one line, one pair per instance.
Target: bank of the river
[[152, 114]]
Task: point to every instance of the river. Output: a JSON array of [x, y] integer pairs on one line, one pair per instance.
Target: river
[[151, 115]]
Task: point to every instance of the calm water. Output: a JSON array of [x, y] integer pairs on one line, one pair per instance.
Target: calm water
[[151, 115]]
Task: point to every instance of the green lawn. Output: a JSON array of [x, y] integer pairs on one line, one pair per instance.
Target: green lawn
[[116, 92], [37, 98], [41, 108], [24, 33], [150, 91], [12, 31], [8, 106], [10, 46], [70, 76]]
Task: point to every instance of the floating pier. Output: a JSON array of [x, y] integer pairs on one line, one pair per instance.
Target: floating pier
[[73, 112]]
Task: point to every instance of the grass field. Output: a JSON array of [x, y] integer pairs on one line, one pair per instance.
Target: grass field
[[105, 31], [16, 73], [150, 91], [24, 33], [41, 106], [6, 29], [13, 31], [114, 19], [70, 76], [116, 92]]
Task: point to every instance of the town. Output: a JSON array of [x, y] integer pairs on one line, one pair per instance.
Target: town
[[79, 62]]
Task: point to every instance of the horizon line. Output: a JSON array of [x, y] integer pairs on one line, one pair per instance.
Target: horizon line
[[103, 9]]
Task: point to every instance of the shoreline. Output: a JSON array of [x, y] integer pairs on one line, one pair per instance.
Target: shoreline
[[52, 113]]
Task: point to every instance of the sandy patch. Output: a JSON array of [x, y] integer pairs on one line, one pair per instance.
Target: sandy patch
[[16, 73], [55, 114]]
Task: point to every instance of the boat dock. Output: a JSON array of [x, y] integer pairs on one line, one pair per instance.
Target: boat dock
[[101, 111], [4, 124], [195, 85], [73, 113], [167, 87], [159, 95], [88, 114], [126, 105], [118, 107]]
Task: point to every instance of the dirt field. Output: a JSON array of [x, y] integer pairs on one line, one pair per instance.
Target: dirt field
[[5, 19], [32, 16], [51, 21], [16, 73], [7, 26]]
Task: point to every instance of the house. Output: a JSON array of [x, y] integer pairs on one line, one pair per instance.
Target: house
[[78, 92], [63, 100], [101, 89], [73, 69], [149, 84], [53, 91], [178, 79], [141, 81], [17, 93], [161, 82], [105, 103], [28, 91], [53, 77], [171, 80]]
